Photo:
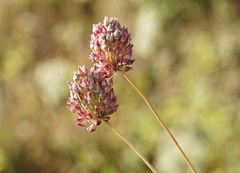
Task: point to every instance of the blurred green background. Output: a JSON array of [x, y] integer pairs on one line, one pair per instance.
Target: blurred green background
[[187, 63]]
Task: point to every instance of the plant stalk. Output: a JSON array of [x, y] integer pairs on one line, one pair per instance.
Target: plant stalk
[[132, 147], [161, 123]]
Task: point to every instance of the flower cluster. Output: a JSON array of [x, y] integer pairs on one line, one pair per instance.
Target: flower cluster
[[92, 97], [111, 47]]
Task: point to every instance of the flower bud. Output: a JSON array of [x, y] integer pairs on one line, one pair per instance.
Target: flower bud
[[92, 97], [111, 46]]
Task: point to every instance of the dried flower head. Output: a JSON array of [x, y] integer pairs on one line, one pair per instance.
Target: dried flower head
[[111, 46], [91, 97]]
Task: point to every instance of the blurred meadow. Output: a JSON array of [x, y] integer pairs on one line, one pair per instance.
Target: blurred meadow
[[187, 63]]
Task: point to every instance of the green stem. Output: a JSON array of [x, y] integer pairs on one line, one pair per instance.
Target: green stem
[[162, 124], [132, 147]]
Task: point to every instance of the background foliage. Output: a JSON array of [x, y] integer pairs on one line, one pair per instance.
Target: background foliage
[[187, 62]]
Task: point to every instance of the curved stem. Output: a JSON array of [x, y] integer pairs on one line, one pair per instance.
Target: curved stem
[[132, 147], [162, 124]]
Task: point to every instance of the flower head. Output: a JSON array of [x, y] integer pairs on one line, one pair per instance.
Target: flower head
[[91, 97], [111, 47]]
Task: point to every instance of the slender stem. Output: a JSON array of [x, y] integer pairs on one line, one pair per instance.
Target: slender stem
[[132, 147], [162, 124]]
